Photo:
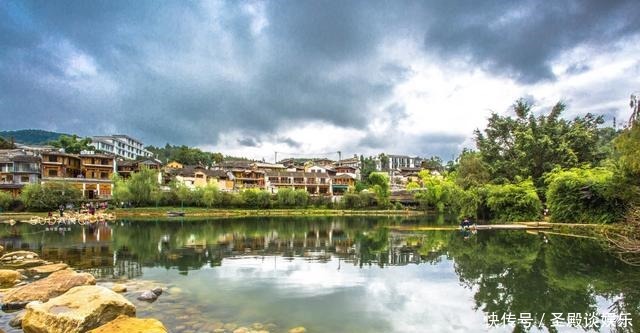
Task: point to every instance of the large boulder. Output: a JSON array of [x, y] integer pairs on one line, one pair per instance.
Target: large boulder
[[9, 277], [53, 285], [78, 310], [46, 269], [19, 255], [21, 259], [128, 324]]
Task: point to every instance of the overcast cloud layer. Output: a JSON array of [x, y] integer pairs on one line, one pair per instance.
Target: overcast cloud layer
[[309, 77]]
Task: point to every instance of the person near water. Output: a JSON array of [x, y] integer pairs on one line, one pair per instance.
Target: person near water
[[466, 223], [61, 209]]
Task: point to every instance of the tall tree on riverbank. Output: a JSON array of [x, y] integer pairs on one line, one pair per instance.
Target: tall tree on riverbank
[[530, 145]]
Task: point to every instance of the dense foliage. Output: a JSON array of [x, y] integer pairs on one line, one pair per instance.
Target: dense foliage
[[6, 200], [514, 202], [185, 155], [530, 146], [6, 144], [49, 196], [31, 136], [72, 144], [584, 195]]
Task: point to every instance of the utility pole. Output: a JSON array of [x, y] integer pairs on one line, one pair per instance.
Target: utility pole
[[339, 157], [275, 160]]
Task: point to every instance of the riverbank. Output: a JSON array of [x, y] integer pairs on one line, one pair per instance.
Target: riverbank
[[196, 212]]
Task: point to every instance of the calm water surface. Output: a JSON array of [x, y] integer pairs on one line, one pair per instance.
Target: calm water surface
[[346, 274]]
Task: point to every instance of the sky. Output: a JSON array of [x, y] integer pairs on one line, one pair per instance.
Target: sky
[[310, 78]]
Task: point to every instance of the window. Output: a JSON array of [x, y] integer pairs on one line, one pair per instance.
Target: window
[[104, 175], [24, 179], [53, 173], [53, 158]]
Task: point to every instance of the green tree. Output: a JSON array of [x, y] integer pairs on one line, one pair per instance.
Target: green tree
[[514, 202], [141, 189], [49, 196], [434, 163], [211, 196], [627, 146], [5, 144], [471, 171], [6, 200], [529, 146], [586, 195], [72, 144], [380, 185]]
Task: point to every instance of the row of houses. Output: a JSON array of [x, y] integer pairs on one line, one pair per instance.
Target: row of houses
[[92, 172]]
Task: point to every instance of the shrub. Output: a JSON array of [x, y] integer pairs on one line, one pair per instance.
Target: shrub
[[6, 201], [588, 195], [49, 196], [254, 198], [514, 202]]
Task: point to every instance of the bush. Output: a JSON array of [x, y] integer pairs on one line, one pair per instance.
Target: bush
[[49, 196], [254, 198], [514, 202], [589, 195], [287, 197], [6, 201]]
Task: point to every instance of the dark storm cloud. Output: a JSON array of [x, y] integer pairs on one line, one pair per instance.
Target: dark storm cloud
[[519, 38], [249, 142], [191, 72]]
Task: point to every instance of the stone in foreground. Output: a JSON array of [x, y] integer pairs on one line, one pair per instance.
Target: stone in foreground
[[54, 285], [298, 329], [132, 325], [78, 310], [47, 269], [9, 277]]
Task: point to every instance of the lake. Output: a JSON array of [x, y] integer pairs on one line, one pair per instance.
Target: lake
[[347, 274]]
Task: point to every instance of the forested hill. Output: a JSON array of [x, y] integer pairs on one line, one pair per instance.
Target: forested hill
[[30, 136]]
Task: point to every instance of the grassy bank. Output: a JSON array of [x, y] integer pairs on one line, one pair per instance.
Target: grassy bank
[[196, 212]]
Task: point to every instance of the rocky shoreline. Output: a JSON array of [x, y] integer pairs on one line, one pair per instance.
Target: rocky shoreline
[[45, 297]]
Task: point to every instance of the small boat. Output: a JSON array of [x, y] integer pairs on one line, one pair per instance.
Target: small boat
[[174, 214]]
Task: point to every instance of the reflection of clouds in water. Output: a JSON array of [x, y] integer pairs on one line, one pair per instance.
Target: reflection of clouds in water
[[413, 298], [296, 278], [425, 298]]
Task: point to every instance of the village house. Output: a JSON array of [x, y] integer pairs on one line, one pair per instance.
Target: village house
[[198, 176], [127, 167], [17, 169], [315, 183], [90, 173], [341, 183]]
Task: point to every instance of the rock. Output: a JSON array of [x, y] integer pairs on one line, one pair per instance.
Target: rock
[[54, 285], [241, 330], [47, 269], [119, 288], [78, 310], [128, 324], [9, 277], [157, 291], [22, 263], [1, 248], [16, 322], [230, 326], [148, 296], [298, 329], [257, 326], [219, 330], [19, 255]]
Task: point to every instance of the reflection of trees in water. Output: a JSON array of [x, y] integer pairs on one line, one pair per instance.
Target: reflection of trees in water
[[517, 273], [510, 272]]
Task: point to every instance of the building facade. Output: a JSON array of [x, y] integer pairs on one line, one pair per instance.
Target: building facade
[[18, 169], [89, 173], [121, 145]]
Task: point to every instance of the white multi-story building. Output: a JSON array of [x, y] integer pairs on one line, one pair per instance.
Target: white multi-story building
[[399, 161], [121, 145]]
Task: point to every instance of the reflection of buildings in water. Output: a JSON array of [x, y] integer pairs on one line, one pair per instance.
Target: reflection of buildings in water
[[86, 248], [316, 244]]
